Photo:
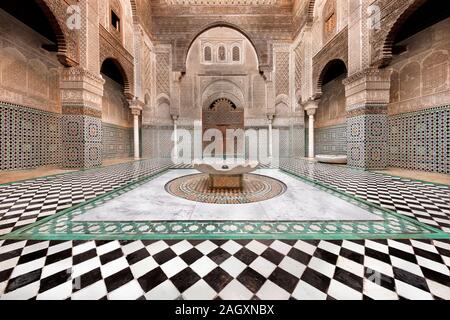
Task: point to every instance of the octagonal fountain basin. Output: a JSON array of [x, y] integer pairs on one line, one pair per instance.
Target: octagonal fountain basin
[[218, 166]]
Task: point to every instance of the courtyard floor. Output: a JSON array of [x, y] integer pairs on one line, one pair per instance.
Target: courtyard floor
[[50, 248]]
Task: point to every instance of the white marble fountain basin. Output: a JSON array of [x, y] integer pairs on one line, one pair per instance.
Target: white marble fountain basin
[[218, 166]]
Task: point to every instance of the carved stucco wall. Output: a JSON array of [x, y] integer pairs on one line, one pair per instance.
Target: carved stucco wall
[[321, 7], [114, 105], [29, 74], [124, 10], [336, 49], [180, 24], [332, 104], [205, 82], [68, 40], [421, 76], [393, 13]]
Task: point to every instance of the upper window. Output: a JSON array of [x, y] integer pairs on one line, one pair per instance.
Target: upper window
[[208, 54], [330, 20], [236, 54], [330, 24], [222, 54], [115, 20]]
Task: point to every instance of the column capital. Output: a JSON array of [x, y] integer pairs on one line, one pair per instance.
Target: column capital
[[177, 76], [136, 106], [81, 88], [175, 117], [368, 87], [270, 117], [267, 74], [311, 105]]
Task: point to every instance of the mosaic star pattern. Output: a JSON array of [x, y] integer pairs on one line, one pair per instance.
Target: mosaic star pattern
[[255, 188]]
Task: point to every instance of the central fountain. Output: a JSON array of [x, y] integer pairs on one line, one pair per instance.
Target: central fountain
[[225, 173]]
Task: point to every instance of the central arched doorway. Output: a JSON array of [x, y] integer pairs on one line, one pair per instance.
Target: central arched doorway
[[224, 116]]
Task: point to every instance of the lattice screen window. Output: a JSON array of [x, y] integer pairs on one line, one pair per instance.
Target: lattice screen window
[[330, 21], [236, 54], [222, 54], [115, 21], [330, 24], [207, 54]]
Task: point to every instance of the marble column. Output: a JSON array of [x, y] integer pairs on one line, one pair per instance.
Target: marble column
[[270, 117], [175, 137], [136, 110], [311, 107]]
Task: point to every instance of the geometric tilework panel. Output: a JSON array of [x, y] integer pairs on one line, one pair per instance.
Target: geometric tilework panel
[[367, 141], [82, 141], [28, 137], [284, 142], [298, 140], [260, 145], [117, 141], [331, 140], [157, 142], [420, 140], [367, 128]]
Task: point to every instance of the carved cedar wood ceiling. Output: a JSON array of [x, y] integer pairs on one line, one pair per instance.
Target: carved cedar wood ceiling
[[222, 2]]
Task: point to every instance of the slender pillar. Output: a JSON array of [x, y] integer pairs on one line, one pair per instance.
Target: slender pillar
[[136, 110], [311, 108], [175, 137], [136, 137], [270, 117], [311, 153]]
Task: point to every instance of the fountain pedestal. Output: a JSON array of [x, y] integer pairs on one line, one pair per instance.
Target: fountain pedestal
[[225, 174], [218, 181]]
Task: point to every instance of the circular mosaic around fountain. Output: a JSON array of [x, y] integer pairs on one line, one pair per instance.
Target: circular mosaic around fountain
[[256, 188]]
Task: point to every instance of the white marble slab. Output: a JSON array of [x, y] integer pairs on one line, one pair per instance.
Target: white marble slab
[[301, 202]]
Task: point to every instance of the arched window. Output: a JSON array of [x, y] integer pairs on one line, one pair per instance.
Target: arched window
[[330, 20], [236, 54], [222, 53], [208, 54], [115, 19]]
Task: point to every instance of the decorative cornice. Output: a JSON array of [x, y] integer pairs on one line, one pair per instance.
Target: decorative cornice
[[360, 110], [115, 43], [81, 110], [381, 74]]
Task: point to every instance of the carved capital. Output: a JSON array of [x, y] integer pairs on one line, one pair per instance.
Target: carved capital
[[368, 87], [266, 73], [82, 88], [136, 106], [177, 76], [311, 105]]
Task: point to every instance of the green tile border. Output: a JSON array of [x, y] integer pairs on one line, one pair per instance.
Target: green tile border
[[399, 226]]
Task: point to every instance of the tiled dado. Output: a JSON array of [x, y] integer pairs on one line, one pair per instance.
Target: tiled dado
[[367, 141], [117, 141], [421, 140], [298, 140], [82, 141], [331, 140], [157, 141], [28, 137]]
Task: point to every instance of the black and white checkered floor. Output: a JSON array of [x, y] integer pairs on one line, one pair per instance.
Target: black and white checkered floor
[[239, 269]]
